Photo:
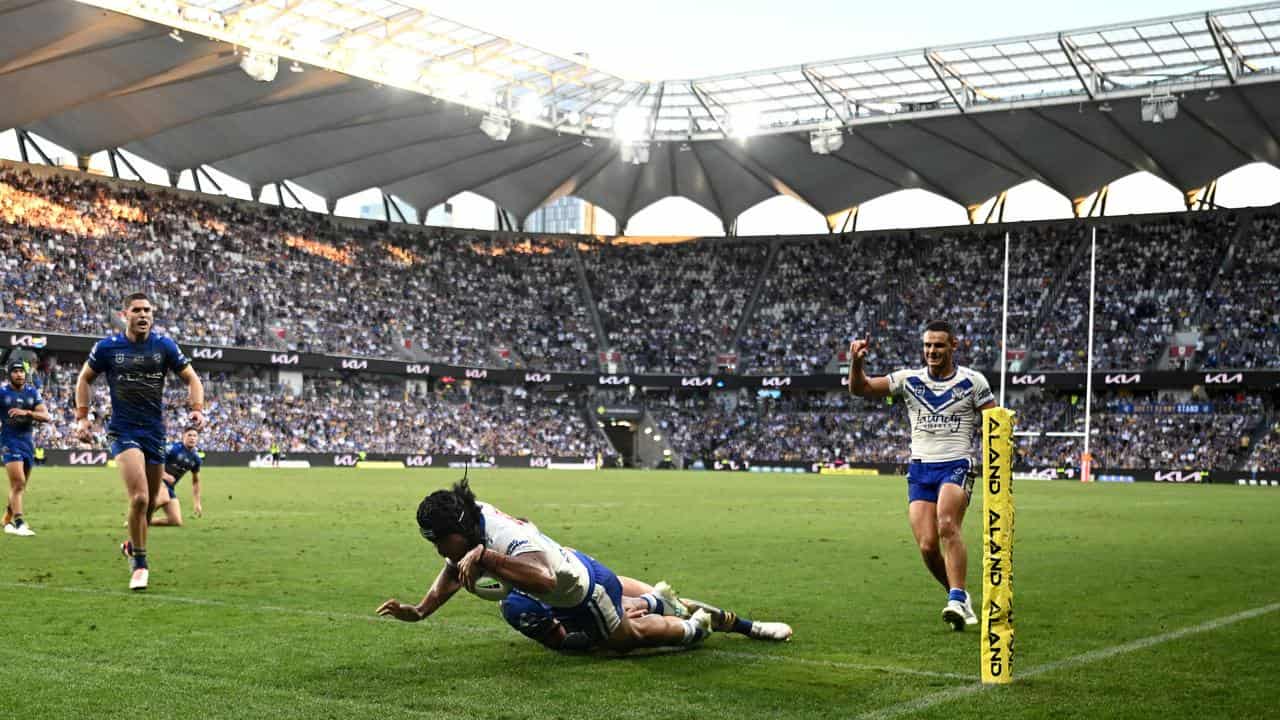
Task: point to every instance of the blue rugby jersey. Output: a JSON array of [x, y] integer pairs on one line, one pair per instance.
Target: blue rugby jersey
[[135, 373]]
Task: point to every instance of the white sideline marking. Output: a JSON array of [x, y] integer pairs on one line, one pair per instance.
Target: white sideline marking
[[207, 602], [1092, 656]]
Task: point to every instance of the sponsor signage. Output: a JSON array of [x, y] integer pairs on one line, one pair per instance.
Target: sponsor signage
[[81, 344], [1179, 476], [88, 457]]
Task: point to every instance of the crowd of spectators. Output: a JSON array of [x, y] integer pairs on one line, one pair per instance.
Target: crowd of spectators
[[240, 274], [247, 413], [672, 307], [243, 274], [1242, 310]]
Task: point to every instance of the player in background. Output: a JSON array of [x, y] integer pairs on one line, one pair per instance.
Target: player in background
[[538, 622], [182, 457], [135, 362], [20, 408], [476, 538], [945, 404]]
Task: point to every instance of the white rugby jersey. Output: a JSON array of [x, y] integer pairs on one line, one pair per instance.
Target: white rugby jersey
[[944, 413], [509, 536]]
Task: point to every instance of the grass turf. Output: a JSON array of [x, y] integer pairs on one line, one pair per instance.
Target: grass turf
[[264, 607]]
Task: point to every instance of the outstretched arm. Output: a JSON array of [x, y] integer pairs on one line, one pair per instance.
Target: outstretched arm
[[859, 383], [445, 586]]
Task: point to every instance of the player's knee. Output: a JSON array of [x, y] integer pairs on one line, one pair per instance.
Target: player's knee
[[139, 502], [948, 528], [928, 545]]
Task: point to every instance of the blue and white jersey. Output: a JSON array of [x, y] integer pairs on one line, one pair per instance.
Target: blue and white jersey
[[944, 412], [16, 432], [506, 535], [178, 461], [135, 372]]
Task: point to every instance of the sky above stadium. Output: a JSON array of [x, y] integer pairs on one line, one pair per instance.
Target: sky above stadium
[[673, 39]]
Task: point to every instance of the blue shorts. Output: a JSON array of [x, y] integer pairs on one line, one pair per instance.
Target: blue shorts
[[925, 479], [601, 613], [151, 444], [17, 453]]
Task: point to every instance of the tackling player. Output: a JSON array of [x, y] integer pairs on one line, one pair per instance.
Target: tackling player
[[945, 404], [476, 538], [135, 363], [183, 457], [20, 408]]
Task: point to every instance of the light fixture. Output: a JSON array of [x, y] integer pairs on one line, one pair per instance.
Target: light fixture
[[586, 142], [827, 139], [744, 121], [631, 124], [497, 125], [1212, 96], [685, 147], [529, 108], [636, 153], [1104, 107], [260, 66], [294, 67], [176, 36], [1158, 108]]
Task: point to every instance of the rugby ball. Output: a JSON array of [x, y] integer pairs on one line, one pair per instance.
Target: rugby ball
[[491, 588]]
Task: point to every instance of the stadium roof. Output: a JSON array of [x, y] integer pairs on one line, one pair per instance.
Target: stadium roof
[[386, 95]]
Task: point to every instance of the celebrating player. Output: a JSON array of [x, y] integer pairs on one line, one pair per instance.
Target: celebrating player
[[476, 538], [21, 407], [135, 362], [945, 403], [538, 621], [181, 459]]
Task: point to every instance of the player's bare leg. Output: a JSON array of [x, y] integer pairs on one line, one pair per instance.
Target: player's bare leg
[[923, 516], [659, 630], [137, 476], [952, 503], [169, 507], [18, 478]]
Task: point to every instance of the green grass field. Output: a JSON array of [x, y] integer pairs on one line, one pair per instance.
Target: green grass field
[[1129, 602]]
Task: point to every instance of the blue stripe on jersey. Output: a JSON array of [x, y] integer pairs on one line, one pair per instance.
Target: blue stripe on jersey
[[937, 402]]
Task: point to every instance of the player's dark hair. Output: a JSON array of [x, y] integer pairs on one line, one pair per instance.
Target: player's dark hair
[[189, 428], [450, 511], [128, 300], [940, 326]]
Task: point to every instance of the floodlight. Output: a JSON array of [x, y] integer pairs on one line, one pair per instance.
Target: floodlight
[[260, 66], [176, 36], [744, 121], [1212, 96], [295, 67], [497, 125], [1105, 107], [1158, 108], [636, 153], [631, 124], [826, 139], [529, 107]]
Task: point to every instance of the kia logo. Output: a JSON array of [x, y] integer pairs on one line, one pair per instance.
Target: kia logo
[[776, 382], [615, 380], [418, 461], [354, 364], [537, 377], [88, 458], [206, 354], [1178, 476], [539, 462], [1224, 378], [1123, 379], [35, 341], [695, 382], [477, 373], [1028, 380], [284, 359], [344, 460], [418, 369]]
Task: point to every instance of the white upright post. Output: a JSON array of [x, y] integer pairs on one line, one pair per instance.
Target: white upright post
[[1087, 472], [1004, 323]]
